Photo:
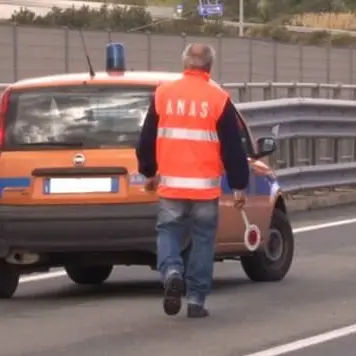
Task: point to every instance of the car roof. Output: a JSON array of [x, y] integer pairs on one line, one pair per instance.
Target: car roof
[[127, 77]]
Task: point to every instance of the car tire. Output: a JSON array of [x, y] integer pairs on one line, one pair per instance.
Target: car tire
[[272, 262], [89, 274], [9, 280]]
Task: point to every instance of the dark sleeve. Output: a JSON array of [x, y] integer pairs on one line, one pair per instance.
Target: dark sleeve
[[233, 153], [146, 148]]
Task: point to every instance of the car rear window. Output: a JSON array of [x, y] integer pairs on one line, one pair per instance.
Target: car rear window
[[90, 116]]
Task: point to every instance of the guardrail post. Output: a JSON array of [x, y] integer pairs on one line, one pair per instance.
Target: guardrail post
[[267, 92], [242, 93], [313, 152], [336, 92], [292, 91], [353, 94], [336, 150], [281, 156], [315, 91], [291, 158]]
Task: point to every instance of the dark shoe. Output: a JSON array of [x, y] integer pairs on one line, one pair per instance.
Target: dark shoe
[[196, 311], [173, 292]]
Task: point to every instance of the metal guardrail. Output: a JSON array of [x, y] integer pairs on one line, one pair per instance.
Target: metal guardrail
[[302, 117], [311, 131], [316, 137], [243, 92], [297, 179], [316, 140]]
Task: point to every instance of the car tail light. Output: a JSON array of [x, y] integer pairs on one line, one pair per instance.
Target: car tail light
[[4, 106]]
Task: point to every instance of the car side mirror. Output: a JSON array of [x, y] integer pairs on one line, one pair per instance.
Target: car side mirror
[[265, 147]]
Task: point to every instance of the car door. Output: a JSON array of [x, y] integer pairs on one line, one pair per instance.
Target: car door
[[231, 226]]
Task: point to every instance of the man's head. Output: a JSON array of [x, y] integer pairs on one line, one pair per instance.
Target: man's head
[[198, 57]]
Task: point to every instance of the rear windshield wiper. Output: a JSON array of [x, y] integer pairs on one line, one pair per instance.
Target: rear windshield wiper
[[53, 144]]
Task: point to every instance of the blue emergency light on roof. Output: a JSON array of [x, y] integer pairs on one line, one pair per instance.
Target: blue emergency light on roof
[[115, 57]]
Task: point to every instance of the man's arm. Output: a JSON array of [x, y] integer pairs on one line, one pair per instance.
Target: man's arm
[[146, 148], [233, 154]]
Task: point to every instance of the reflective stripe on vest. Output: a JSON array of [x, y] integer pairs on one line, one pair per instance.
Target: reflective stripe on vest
[[190, 183], [188, 134]]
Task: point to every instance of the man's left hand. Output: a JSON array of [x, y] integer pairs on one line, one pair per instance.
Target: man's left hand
[[152, 184]]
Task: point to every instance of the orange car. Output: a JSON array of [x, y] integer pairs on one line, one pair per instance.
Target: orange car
[[71, 196]]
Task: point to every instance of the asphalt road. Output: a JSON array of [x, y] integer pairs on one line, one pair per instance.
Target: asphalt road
[[124, 317]]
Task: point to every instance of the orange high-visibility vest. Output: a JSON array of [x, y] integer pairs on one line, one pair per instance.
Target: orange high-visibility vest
[[188, 148]]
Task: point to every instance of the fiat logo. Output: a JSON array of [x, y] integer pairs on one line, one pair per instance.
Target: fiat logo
[[78, 159]]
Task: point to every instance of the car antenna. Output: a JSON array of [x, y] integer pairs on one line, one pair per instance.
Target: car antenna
[[91, 69]]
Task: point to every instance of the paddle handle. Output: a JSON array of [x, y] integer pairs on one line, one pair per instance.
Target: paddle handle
[[245, 219]]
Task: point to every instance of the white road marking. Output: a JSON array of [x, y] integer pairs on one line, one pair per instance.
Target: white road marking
[[298, 230], [302, 229], [307, 342]]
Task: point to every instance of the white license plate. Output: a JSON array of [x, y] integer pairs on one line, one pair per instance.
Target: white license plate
[[79, 185]]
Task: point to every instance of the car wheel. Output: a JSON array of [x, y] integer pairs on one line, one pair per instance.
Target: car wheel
[[273, 260], [89, 274], [9, 280]]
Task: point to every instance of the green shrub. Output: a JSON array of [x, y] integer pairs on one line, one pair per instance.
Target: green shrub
[[116, 18], [342, 40]]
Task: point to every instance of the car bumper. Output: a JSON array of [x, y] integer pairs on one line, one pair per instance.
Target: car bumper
[[78, 228]]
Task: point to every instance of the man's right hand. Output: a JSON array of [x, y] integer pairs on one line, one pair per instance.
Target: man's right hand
[[239, 198]]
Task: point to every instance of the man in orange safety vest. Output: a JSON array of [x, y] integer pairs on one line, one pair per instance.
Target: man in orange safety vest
[[189, 138]]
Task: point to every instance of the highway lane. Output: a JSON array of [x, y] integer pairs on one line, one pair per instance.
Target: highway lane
[[124, 317]]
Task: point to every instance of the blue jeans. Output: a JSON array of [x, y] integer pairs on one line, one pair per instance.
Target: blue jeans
[[176, 218]]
